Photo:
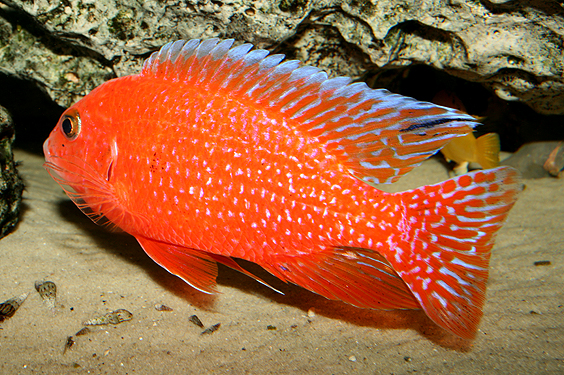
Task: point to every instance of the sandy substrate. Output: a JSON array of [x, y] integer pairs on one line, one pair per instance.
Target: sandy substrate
[[96, 271]]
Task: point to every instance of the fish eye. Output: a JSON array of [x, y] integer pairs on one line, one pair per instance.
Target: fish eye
[[70, 124]]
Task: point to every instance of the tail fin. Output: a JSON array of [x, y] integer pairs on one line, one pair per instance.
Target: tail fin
[[487, 150], [448, 232]]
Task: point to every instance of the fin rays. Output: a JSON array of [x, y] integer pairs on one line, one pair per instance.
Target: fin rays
[[197, 268], [449, 231], [96, 196], [360, 277], [355, 122]]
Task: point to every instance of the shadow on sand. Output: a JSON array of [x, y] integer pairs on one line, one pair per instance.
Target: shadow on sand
[[125, 246]]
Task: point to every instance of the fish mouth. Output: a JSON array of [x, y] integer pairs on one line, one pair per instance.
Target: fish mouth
[[82, 183], [91, 192], [71, 173]]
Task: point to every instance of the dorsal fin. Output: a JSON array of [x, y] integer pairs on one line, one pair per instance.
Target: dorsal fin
[[377, 135]]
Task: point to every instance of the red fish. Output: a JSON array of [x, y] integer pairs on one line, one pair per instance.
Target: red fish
[[215, 152]]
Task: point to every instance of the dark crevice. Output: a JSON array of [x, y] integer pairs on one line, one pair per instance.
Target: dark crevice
[[548, 7], [310, 21], [429, 33], [60, 44], [515, 122], [34, 113]]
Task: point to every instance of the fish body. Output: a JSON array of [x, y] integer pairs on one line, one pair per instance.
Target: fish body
[[214, 153], [467, 149]]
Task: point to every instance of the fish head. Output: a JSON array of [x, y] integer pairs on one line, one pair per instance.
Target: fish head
[[81, 149]]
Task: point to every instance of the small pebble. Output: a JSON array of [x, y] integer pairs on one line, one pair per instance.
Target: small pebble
[[9, 307], [68, 344], [352, 358], [211, 329], [48, 291], [161, 307], [542, 263], [311, 313], [83, 332], [194, 319], [271, 328], [407, 359], [114, 317]]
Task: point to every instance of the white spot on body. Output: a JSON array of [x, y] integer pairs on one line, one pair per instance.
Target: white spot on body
[[425, 283]]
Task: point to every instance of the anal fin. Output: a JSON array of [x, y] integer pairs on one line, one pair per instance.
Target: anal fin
[[229, 262], [197, 268], [361, 277]]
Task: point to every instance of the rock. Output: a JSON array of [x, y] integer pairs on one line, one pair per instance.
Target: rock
[[11, 185], [30, 51], [538, 159], [69, 47]]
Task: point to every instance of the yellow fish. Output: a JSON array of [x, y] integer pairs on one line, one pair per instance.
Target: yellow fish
[[467, 149]]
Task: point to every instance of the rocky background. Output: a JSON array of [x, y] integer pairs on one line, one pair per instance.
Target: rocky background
[[492, 54], [11, 185], [504, 59]]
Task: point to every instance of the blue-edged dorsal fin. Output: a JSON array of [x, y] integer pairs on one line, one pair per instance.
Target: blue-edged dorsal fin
[[377, 135]]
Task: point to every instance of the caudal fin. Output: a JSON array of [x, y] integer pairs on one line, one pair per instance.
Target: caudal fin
[[487, 150], [448, 232]]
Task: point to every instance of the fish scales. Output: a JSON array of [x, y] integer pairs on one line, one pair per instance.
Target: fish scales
[[218, 170], [214, 153]]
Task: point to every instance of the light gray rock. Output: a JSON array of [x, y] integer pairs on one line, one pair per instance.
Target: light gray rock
[[515, 48], [538, 159]]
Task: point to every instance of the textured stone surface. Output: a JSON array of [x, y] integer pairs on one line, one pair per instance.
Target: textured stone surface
[[538, 159], [522, 331], [512, 47], [11, 185]]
